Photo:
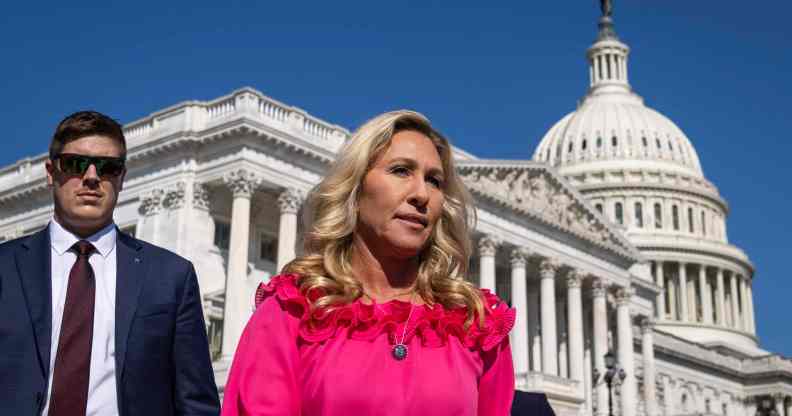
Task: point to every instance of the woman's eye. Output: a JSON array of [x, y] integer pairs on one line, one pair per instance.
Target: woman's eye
[[436, 182], [400, 170]]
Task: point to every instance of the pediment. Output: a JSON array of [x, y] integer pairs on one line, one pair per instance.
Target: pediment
[[535, 190]]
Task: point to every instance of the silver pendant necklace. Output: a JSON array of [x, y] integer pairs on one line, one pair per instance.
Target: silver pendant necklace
[[399, 350]]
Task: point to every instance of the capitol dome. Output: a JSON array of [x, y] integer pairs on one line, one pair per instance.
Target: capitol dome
[[641, 172]]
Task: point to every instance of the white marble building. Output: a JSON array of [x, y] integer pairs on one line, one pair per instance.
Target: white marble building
[[611, 238]]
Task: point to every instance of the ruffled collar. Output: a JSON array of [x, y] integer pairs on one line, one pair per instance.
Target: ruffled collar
[[431, 324]]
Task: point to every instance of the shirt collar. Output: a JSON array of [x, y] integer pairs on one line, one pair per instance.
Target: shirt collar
[[62, 239]]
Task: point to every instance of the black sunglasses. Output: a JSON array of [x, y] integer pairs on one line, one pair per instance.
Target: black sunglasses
[[74, 164]]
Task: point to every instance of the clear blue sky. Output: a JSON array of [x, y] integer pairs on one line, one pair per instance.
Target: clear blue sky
[[493, 78]]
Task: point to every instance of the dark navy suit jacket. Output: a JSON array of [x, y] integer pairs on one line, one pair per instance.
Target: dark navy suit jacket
[[162, 355], [531, 404]]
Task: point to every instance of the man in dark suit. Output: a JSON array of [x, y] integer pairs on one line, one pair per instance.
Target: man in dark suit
[[92, 321]]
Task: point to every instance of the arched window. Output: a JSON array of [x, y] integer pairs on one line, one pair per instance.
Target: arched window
[[618, 210], [703, 223], [598, 206], [675, 217], [614, 141], [599, 142], [670, 146], [645, 143], [690, 220], [639, 215], [658, 144], [569, 148], [658, 214], [583, 146]]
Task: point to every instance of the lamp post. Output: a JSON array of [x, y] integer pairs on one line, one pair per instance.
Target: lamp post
[[614, 374]]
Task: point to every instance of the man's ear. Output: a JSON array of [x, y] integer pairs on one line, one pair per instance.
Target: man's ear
[[49, 166]]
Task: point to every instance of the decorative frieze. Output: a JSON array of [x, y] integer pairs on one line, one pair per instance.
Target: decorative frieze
[[537, 192]]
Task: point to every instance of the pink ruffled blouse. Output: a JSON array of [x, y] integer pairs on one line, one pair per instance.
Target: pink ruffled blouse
[[344, 365]]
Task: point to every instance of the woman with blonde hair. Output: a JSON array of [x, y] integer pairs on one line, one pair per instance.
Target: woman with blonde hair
[[376, 317]]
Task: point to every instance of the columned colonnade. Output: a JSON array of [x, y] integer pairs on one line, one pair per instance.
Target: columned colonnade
[[700, 293], [548, 336], [243, 184]]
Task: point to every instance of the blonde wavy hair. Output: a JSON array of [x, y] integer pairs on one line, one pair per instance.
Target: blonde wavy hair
[[331, 215]]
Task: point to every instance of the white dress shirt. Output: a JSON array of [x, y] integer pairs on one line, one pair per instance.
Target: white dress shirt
[[102, 396]]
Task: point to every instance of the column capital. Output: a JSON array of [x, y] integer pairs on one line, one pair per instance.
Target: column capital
[[151, 201], [289, 201], [201, 196], [599, 287], [518, 256], [647, 324], [548, 268], [623, 296], [487, 245], [575, 278], [175, 195], [242, 182]]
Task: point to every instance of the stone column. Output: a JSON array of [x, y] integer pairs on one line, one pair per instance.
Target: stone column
[[720, 299], [750, 406], [587, 382], [563, 363], [706, 301], [683, 293], [626, 353], [751, 310], [660, 300], [744, 319], [238, 305], [548, 270], [779, 404], [575, 325], [672, 299], [289, 203], [600, 330], [647, 351], [487, 246], [735, 308], [519, 299], [534, 337]]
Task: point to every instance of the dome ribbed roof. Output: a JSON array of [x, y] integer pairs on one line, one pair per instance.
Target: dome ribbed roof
[[612, 128], [617, 128]]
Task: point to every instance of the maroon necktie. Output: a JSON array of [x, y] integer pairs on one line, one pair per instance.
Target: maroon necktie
[[73, 362]]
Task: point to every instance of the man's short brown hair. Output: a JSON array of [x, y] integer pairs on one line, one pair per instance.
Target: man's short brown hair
[[82, 124]]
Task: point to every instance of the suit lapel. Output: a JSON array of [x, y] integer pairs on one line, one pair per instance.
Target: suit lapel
[[130, 275], [33, 261]]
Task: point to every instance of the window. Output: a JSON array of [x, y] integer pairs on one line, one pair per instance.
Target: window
[[658, 144], [268, 247], [670, 146], [599, 142], [614, 141], [584, 144], [598, 206], [703, 223], [658, 214], [222, 235], [645, 143], [619, 214], [690, 220], [569, 148], [675, 217], [639, 215]]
